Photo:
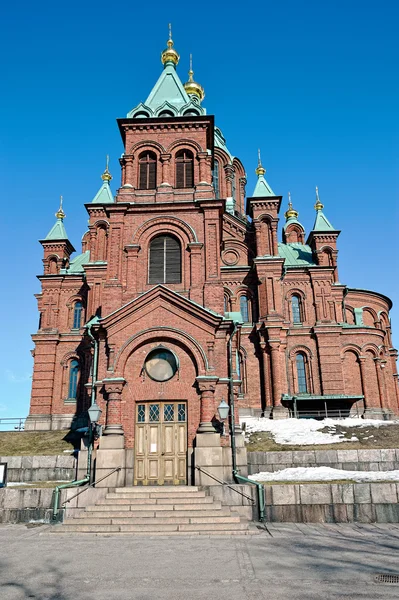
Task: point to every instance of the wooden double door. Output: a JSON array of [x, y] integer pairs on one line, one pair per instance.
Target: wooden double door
[[161, 443]]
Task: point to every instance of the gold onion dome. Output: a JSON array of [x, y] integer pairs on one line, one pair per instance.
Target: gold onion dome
[[291, 213], [170, 54], [191, 86], [106, 176], [60, 213], [259, 169], [318, 206]]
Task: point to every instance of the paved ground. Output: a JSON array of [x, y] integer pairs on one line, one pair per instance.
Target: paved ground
[[287, 562]]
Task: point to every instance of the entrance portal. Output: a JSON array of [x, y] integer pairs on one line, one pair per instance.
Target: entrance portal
[[161, 444]]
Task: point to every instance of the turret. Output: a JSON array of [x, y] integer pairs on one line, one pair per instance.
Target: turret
[[56, 245], [293, 230], [323, 239]]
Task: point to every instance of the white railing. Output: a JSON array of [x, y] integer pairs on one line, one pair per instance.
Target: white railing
[[12, 424]]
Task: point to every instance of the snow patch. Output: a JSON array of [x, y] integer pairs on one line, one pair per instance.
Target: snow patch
[[325, 474], [306, 432]]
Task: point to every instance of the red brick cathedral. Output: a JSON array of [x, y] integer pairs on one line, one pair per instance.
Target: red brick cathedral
[[179, 264]]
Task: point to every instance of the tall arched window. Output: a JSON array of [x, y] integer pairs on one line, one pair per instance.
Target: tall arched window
[[184, 169], [296, 309], [301, 373], [147, 171], [244, 308], [215, 178], [73, 380], [165, 260], [77, 315]]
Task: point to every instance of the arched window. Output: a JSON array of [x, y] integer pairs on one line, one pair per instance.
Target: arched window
[[296, 309], [166, 113], [147, 171], [215, 178], [301, 373], [244, 308], [226, 303], [184, 169], [73, 380], [77, 315], [165, 260], [52, 266]]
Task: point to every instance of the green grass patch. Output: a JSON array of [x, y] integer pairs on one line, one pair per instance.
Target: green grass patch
[[31, 443]]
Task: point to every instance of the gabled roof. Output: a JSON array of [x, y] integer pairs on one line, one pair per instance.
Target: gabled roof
[[296, 255], [168, 94], [104, 195], [262, 189], [322, 223], [57, 232], [196, 310], [76, 265]]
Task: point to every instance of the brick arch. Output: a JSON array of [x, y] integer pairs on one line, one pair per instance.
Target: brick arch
[[351, 372], [351, 348], [369, 311], [70, 356], [75, 298], [349, 311], [370, 347], [184, 143], [156, 333], [101, 223], [300, 348], [176, 223], [147, 145], [222, 156]]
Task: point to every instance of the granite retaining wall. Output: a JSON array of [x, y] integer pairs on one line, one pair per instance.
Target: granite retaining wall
[[61, 467], [349, 460]]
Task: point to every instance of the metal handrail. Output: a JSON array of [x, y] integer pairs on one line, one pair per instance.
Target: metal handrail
[[56, 493], [229, 485], [91, 485]]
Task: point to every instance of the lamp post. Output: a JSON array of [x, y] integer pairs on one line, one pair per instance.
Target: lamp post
[[94, 413], [223, 411]]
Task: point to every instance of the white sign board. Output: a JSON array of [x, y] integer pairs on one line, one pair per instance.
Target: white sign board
[[3, 472]]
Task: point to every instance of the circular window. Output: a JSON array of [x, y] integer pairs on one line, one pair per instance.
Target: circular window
[[161, 364]]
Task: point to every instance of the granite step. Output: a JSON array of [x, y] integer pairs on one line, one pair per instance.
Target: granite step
[[157, 495], [110, 514], [154, 528], [163, 489], [94, 520]]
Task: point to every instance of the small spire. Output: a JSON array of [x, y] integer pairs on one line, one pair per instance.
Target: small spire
[[170, 54], [191, 86], [291, 213], [60, 213], [318, 206], [260, 171], [106, 176]]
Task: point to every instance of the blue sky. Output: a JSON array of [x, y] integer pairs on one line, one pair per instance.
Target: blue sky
[[313, 84]]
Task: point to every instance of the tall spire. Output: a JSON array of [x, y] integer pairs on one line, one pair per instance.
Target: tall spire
[[104, 194], [106, 176], [259, 169], [191, 86], [291, 213], [58, 231], [169, 55], [318, 206], [60, 213], [262, 188], [321, 222]]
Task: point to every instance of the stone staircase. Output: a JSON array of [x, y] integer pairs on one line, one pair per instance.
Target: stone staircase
[[167, 510]]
